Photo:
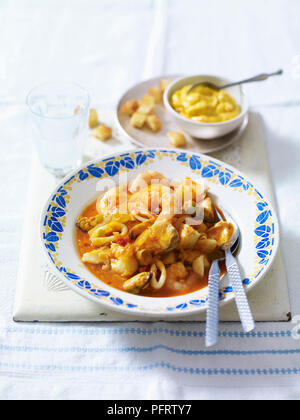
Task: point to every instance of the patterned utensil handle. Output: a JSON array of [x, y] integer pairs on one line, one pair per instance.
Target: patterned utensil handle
[[212, 317], [239, 292]]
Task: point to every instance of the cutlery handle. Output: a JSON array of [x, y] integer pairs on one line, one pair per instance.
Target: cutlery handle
[[239, 292], [212, 317], [258, 78]]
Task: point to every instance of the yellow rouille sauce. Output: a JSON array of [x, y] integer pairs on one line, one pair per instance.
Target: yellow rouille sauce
[[204, 104]]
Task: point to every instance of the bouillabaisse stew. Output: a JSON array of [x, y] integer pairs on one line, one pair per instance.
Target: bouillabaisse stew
[[152, 237]]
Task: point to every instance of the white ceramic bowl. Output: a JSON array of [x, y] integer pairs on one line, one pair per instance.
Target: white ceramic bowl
[[252, 211], [207, 130]]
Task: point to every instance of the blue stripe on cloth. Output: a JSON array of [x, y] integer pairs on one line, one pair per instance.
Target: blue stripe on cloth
[[185, 352], [162, 364], [143, 331]]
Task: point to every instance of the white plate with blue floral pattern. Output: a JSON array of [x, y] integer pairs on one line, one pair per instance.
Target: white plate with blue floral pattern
[[252, 211]]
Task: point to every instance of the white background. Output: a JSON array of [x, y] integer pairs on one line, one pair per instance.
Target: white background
[[108, 45]]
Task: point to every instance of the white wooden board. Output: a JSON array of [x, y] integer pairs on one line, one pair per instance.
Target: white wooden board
[[41, 298]]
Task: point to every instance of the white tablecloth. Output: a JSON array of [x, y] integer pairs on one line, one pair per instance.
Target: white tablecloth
[[108, 45]]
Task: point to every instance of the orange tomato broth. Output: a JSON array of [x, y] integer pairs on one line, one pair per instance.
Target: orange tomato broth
[[195, 282]]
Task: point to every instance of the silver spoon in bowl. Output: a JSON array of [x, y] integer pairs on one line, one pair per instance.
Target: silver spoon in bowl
[[258, 78], [212, 320]]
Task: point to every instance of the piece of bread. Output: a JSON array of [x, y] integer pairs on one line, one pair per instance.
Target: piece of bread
[[177, 139], [154, 123], [163, 84], [146, 105], [77, 110], [93, 119], [102, 132], [130, 107], [138, 120], [156, 93]]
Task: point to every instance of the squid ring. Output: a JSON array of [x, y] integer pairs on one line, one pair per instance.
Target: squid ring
[[99, 238], [155, 282], [143, 215]]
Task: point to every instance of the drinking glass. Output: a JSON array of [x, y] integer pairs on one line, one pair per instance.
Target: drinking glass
[[59, 115]]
